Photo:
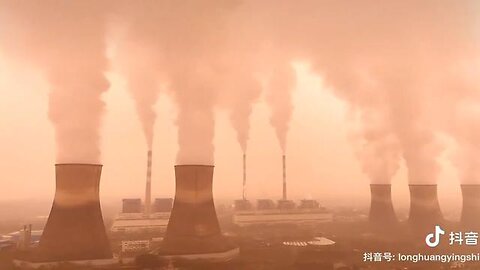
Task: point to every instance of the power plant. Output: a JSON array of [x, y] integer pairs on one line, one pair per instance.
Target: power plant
[[75, 228], [381, 205], [424, 206], [471, 205], [148, 218], [285, 211], [193, 227]]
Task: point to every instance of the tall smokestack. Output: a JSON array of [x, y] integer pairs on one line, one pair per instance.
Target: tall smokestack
[[381, 206], [193, 227], [424, 206], [148, 189], [244, 176], [75, 228], [284, 178], [471, 205]]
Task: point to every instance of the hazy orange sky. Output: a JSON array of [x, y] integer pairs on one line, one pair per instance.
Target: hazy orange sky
[[321, 162], [373, 82]]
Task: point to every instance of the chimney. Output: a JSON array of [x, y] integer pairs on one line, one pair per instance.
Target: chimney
[[471, 206], [193, 226], [244, 197], [284, 197], [148, 189], [75, 228], [381, 206], [424, 206], [26, 237]]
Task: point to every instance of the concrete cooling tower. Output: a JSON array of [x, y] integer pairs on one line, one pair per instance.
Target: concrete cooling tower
[[424, 206], [381, 206], [471, 206], [75, 229], [193, 227]]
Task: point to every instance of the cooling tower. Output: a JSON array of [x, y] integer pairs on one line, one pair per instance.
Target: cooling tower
[[471, 206], [75, 229], [193, 227], [424, 206], [381, 206]]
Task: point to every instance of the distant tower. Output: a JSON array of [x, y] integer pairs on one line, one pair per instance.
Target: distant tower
[[193, 227], [471, 206], [75, 228], [244, 196], [284, 197], [424, 206], [148, 189], [381, 206]]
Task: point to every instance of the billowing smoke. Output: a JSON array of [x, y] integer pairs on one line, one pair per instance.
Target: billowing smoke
[[188, 54], [390, 58], [460, 113], [142, 82], [242, 109], [240, 90], [391, 61], [66, 41], [279, 97]]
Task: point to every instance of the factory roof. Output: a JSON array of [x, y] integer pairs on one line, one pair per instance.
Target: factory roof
[[134, 224]]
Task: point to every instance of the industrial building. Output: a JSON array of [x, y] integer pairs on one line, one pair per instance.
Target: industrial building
[[268, 213], [285, 211], [145, 218], [137, 222]]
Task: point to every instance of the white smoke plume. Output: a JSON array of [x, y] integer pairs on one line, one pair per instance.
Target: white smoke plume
[[65, 40], [279, 98]]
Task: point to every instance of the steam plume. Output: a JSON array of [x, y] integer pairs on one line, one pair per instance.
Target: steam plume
[[279, 97], [65, 40], [144, 88], [188, 54]]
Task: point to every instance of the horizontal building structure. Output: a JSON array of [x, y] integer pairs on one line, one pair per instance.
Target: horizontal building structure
[[157, 222], [276, 216]]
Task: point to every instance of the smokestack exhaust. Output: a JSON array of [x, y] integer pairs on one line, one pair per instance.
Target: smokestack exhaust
[[75, 228], [284, 197], [148, 189], [244, 197], [381, 206], [424, 206], [193, 226], [471, 206]]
